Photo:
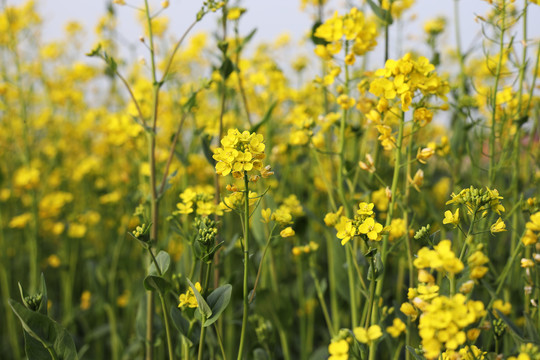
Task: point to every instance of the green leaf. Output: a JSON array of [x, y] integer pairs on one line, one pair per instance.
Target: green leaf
[[154, 282], [44, 299], [246, 40], [47, 332], [205, 142], [183, 326], [95, 52], [317, 40], [531, 330], [203, 306], [218, 301], [210, 256], [226, 68], [140, 318], [514, 330], [164, 260], [381, 13], [265, 119], [179, 322]]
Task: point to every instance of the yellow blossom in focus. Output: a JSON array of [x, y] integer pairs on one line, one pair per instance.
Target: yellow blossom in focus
[[188, 298], [371, 228], [338, 350], [450, 218], [498, 226]]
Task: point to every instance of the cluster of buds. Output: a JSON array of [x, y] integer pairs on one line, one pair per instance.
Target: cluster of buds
[[32, 302], [206, 230], [205, 238], [478, 200], [142, 234]]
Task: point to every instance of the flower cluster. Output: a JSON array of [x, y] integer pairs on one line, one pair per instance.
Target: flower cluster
[[351, 27], [478, 200], [440, 258], [188, 298], [305, 249], [363, 223], [240, 153], [199, 200], [533, 229], [443, 322], [403, 79]]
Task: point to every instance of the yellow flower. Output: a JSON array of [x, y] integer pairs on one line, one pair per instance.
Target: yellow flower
[[397, 229], [53, 261], [409, 310], [503, 307], [367, 336], [20, 221], [76, 230], [331, 219], [345, 101], [424, 154], [365, 209], [123, 299], [526, 263], [338, 350], [371, 228], [86, 297], [498, 226], [450, 218], [26, 178], [397, 328], [186, 208], [266, 214], [287, 232], [345, 230], [529, 238], [435, 26], [240, 153], [534, 224], [188, 298], [443, 322]]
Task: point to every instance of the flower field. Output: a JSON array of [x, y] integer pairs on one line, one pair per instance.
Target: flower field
[[359, 199]]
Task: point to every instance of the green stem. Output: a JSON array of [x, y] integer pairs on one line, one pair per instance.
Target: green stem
[[494, 98], [352, 288], [201, 339], [220, 342], [206, 277], [261, 263], [301, 308], [246, 267], [324, 308], [395, 179]]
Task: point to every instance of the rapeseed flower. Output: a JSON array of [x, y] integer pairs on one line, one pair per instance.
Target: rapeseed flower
[[188, 298], [397, 328], [367, 336], [240, 153]]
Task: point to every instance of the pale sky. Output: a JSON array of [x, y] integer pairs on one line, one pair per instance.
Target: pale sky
[[271, 17]]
